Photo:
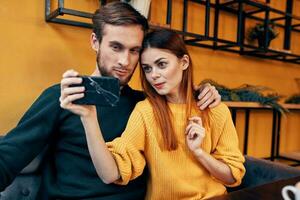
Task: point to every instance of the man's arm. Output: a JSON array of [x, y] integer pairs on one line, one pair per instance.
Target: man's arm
[[23, 143]]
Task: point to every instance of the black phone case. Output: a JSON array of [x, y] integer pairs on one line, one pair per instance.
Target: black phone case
[[103, 91]]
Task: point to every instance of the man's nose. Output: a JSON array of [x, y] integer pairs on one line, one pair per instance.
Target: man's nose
[[124, 59]]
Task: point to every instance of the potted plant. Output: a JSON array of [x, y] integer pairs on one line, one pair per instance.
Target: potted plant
[[248, 93], [258, 33], [294, 99]]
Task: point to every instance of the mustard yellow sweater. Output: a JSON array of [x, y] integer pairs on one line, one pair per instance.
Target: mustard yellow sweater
[[176, 174]]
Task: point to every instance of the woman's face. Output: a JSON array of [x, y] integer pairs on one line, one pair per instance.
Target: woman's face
[[164, 71]]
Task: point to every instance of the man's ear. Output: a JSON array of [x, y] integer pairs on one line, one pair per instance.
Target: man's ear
[[94, 42], [185, 61]]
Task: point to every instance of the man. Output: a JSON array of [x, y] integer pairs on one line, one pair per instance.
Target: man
[[67, 171]]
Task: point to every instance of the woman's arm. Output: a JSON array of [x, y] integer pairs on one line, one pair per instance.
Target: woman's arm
[[216, 168], [195, 133]]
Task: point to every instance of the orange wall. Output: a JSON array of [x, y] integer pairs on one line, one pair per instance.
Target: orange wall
[[34, 54]]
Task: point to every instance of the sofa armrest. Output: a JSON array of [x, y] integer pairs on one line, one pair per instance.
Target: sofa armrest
[[261, 171], [34, 165], [25, 186]]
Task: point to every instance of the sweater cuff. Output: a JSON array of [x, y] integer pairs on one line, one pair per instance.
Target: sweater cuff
[[118, 152], [237, 175]]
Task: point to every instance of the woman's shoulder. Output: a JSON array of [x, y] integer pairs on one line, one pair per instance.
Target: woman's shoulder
[[144, 105], [222, 107], [220, 112]]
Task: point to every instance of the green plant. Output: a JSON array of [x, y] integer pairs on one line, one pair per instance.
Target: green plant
[[257, 33], [248, 93], [295, 99]]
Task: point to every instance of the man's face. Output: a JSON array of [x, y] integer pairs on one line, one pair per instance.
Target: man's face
[[118, 52]]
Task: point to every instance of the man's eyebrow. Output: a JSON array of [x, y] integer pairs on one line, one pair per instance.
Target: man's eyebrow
[[122, 46], [116, 43], [139, 48]]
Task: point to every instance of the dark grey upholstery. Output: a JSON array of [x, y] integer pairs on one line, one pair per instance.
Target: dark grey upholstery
[[25, 186], [27, 183], [258, 172]]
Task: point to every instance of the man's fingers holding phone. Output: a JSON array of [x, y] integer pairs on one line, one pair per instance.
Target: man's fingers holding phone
[[74, 90], [71, 90], [70, 73], [67, 102], [69, 78], [67, 93]]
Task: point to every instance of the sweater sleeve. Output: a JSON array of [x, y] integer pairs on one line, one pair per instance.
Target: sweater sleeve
[[128, 150], [23, 143], [227, 148]]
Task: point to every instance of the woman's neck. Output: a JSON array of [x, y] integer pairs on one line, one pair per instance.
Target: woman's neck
[[175, 98]]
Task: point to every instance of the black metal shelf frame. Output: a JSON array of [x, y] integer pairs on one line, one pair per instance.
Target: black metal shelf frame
[[215, 42], [247, 110], [275, 137], [238, 46], [52, 16]]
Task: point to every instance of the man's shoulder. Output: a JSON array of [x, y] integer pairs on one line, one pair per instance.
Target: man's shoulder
[[50, 93], [137, 95], [54, 89]]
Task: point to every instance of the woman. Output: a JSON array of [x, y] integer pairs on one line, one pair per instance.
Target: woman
[[189, 154]]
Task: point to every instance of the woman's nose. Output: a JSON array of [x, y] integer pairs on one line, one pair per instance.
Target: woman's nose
[[155, 74]]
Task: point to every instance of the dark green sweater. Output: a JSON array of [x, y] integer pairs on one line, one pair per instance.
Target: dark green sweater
[[68, 171]]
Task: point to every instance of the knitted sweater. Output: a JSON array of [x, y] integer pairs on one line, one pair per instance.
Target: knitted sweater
[[176, 174]]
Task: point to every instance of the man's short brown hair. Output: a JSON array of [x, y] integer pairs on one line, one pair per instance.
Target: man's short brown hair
[[117, 13]]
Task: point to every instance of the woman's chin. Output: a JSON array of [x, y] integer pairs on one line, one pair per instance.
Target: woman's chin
[[161, 92]]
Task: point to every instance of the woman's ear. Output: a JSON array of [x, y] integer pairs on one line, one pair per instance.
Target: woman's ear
[[185, 62], [94, 42]]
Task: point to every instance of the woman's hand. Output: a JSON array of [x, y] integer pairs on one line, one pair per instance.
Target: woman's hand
[[195, 133], [69, 94]]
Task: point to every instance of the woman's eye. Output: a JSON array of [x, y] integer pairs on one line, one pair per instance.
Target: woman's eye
[[162, 64], [147, 69]]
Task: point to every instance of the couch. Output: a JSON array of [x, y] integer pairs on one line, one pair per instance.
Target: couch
[[258, 172]]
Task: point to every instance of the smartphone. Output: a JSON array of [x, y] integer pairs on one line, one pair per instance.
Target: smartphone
[[99, 90]]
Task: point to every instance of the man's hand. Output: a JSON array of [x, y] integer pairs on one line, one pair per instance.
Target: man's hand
[[69, 94], [208, 96]]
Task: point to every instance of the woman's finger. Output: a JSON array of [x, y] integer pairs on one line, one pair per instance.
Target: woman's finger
[[196, 120]]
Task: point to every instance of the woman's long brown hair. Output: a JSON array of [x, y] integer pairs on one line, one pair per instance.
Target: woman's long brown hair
[[169, 40]]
